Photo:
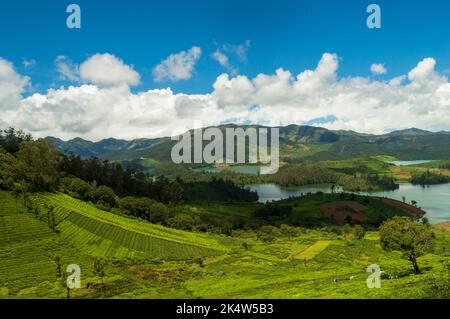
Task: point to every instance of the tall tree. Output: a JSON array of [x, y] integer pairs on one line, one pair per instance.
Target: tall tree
[[37, 164], [410, 237]]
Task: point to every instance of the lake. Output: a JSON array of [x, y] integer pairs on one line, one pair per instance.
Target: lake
[[434, 199], [406, 163]]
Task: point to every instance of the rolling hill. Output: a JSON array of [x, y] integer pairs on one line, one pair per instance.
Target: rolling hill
[[297, 144], [103, 234]]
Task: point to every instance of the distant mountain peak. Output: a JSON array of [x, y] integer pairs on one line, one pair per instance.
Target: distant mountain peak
[[411, 131]]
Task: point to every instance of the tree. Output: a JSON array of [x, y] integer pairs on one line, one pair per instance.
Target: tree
[[57, 261], [6, 175], [403, 234], [144, 207], [106, 195], [99, 268], [181, 221], [10, 139], [37, 164], [77, 188], [51, 217]]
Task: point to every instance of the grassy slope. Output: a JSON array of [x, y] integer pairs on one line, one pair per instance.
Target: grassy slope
[[27, 246], [100, 233], [265, 270]]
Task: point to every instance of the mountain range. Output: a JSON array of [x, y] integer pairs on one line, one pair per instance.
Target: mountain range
[[297, 144]]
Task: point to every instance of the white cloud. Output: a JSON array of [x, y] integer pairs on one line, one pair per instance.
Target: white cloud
[[12, 85], [179, 66], [223, 60], [240, 50], [68, 71], [108, 70], [420, 98], [378, 69], [28, 62]]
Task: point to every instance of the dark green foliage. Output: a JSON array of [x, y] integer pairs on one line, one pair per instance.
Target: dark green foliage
[[273, 211], [99, 268], [181, 221], [6, 174], [77, 188], [36, 164], [145, 208], [218, 190], [106, 195], [428, 178], [124, 182], [10, 139], [297, 175], [358, 178], [268, 233]]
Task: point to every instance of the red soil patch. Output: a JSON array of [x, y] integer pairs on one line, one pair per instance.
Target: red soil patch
[[409, 209], [339, 212]]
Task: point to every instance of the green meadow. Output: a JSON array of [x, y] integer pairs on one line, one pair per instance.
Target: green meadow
[[150, 261]]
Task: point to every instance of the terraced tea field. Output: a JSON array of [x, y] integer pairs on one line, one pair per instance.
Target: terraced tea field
[[27, 246], [103, 234], [335, 267]]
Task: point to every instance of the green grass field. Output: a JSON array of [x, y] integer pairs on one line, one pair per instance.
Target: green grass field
[[334, 267], [373, 165]]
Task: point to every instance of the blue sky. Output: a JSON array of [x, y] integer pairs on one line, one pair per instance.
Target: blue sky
[[288, 34], [150, 68]]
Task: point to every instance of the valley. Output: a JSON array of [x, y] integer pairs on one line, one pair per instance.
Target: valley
[[309, 231]]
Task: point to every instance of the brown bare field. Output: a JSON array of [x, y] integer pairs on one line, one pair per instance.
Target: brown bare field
[[407, 208], [340, 211], [403, 173], [443, 226], [305, 148]]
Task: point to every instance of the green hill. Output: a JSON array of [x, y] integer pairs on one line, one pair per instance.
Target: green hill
[[104, 234], [297, 144], [302, 265]]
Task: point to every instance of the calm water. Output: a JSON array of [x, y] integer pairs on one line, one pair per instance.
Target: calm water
[[434, 199], [406, 163]]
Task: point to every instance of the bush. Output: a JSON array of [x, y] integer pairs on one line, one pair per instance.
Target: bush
[[144, 207], [105, 195], [181, 221], [77, 188], [268, 233], [437, 288]]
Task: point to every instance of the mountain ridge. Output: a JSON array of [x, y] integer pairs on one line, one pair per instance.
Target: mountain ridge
[[297, 143]]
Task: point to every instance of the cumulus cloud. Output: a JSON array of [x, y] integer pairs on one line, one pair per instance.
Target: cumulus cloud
[[378, 69], [12, 85], [108, 70], [179, 66], [419, 98]]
